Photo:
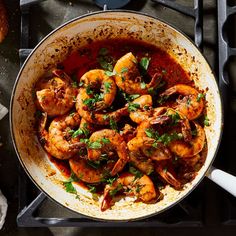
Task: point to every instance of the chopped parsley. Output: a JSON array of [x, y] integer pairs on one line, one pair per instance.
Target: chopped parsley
[[206, 121], [76, 133], [74, 84], [123, 70], [144, 63], [113, 124], [95, 145], [69, 187], [151, 133], [109, 73], [89, 90], [113, 192], [105, 140], [143, 85], [164, 138], [138, 174], [92, 189], [133, 107], [200, 96], [107, 86]]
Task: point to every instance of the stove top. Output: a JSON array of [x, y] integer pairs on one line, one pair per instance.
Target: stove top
[[207, 204]]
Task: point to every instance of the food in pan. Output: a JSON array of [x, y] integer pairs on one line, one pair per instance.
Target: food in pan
[[122, 118]]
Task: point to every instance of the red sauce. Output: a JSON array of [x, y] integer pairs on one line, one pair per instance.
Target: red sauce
[[85, 59]]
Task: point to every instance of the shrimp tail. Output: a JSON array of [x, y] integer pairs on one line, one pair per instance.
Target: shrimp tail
[[107, 201]]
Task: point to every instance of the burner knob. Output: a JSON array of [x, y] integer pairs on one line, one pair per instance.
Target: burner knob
[[112, 4]]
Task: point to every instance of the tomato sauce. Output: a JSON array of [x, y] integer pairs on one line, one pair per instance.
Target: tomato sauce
[[87, 58]]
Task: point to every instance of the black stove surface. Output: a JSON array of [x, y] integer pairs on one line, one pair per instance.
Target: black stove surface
[[208, 204]]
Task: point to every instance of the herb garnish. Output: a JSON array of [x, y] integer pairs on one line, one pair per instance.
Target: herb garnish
[[107, 86], [133, 107], [138, 174], [206, 121], [144, 63], [113, 124], [200, 96], [113, 192]]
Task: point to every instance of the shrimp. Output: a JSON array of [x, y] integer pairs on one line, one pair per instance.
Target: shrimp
[[61, 133], [164, 115], [50, 146], [97, 80], [96, 117], [109, 140], [192, 148], [141, 162], [56, 95], [191, 105], [165, 170], [86, 172], [149, 147], [143, 188], [144, 110], [128, 132], [127, 76]]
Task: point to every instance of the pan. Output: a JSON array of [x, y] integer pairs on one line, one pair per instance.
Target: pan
[[60, 43]]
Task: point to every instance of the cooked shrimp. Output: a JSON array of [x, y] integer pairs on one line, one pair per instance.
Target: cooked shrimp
[[86, 172], [109, 140], [141, 162], [128, 132], [165, 170], [56, 95], [60, 131], [50, 146], [192, 148], [191, 105], [96, 117], [164, 115], [127, 76], [143, 188], [144, 110], [97, 80], [149, 147]]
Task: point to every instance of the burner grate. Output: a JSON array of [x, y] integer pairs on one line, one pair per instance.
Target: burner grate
[[191, 212]]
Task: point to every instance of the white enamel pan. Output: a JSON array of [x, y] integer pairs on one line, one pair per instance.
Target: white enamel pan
[[53, 49]]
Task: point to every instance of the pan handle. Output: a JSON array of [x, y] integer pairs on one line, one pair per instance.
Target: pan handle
[[223, 179]]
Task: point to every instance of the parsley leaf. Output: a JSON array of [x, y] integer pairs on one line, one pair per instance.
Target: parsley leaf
[[133, 107], [143, 85], [92, 189], [107, 86], [144, 63], [69, 187], [110, 73], [138, 174], [95, 145], [123, 70], [105, 140], [113, 192], [200, 96], [151, 133], [113, 124], [206, 121]]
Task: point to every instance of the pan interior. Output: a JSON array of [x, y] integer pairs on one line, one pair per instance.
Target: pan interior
[[54, 49]]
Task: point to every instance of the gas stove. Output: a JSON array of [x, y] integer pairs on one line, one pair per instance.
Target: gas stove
[[211, 30]]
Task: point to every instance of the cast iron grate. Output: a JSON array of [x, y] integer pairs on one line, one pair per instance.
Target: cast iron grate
[[191, 212]]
